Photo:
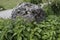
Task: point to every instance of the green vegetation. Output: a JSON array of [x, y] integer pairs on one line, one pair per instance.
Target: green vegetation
[[8, 4], [48, 29], [34, 1]]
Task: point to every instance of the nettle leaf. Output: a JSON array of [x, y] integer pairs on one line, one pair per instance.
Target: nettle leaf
[[48, 29]]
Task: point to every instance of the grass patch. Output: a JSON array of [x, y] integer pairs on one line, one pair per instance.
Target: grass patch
[[8, 4]]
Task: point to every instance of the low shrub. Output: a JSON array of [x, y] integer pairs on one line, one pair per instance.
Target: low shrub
[[55, 7], [48, 29]]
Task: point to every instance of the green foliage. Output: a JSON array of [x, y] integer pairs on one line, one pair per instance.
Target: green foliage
[[56, 7], [48, 10], [49, 29], [34, 1], [53, 8], [5, 28]]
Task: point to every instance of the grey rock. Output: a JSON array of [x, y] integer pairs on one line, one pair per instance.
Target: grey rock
[[6, 14], [28, 11]]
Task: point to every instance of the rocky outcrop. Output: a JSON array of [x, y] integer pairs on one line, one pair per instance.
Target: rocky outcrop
[[28, 11]]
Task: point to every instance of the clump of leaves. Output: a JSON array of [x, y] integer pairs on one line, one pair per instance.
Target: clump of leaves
[[5, 29], [49, 29], [56, 7]]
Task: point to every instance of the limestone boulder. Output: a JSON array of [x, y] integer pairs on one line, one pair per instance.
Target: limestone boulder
[[28, 11]]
